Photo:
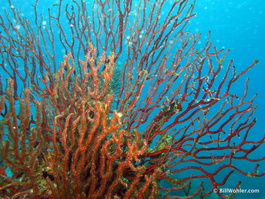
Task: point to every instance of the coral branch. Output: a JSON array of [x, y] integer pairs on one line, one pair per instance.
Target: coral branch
[[133, 110]]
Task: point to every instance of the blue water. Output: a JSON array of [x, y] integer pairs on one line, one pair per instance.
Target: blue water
[[239, 26], [235, 25]]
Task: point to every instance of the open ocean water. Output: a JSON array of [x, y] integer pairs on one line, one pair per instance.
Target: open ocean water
[[240, 26]]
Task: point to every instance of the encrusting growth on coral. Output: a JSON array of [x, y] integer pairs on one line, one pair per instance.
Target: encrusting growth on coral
[[83, 150]]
